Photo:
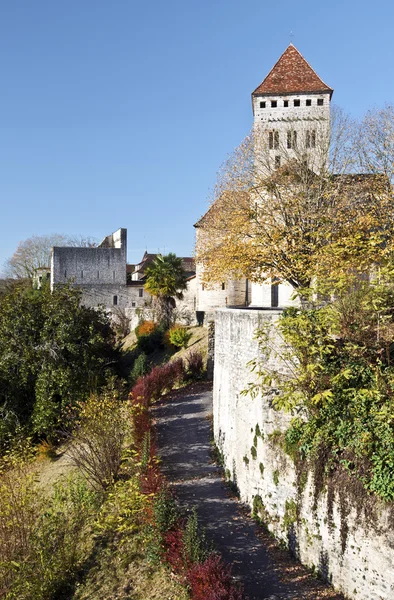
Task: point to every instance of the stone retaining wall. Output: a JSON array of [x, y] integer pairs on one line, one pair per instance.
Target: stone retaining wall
[[327, 531]]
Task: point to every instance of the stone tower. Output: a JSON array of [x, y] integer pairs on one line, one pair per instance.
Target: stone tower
[[291, 108]]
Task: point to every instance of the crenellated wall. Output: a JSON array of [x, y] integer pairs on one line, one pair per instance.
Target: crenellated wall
[[348, 539]]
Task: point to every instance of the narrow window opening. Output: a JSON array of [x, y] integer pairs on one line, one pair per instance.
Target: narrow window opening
[[297, 102], [98, 274], [274, 103], [262, 104], [223, 286], [310, 140], [276, 140], [271, 140], [320, 101], [113, 274], [133, 304], [308, 102], [277, 162], [291, 139], [81, 274], [202, 287], [286, 103], [274, 295], [140, 292], [65, 274], [115, 301]]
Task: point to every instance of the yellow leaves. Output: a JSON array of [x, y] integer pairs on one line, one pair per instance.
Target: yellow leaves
[[320, 397], [292, 223]]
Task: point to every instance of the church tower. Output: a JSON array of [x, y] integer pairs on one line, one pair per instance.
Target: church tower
[[291, 107]]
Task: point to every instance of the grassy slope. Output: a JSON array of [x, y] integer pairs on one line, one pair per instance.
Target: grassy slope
[[120, 572]]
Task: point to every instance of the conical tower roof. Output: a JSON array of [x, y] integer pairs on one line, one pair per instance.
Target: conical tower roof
[[292, 74]]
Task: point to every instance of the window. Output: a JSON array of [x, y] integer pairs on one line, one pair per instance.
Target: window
[[286, 103], [262, 104], [133, 304], [81, 274], [310, 139], [65, 274], [297, 102], [277, 162], [308, 102], [273, 140], [140, 293], [291, 139], [223, 286], [274, 103], [274, 295], [98, 274], [113, 274], [202, 287], [320, 101], [115, 301]]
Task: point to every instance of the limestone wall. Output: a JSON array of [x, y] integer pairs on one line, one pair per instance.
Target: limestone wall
[[351, 548]]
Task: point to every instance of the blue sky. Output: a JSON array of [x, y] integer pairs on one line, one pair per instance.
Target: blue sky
[[119, 113]]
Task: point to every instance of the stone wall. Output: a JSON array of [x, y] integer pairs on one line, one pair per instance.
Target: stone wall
[[105, 264], [328, 531]]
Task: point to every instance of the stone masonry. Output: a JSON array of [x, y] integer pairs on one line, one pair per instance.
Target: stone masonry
[[352, 550]]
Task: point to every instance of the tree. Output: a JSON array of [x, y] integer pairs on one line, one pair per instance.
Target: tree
[[53, 353], [165, 281], [34, 253], [377, 142], [290, 223]]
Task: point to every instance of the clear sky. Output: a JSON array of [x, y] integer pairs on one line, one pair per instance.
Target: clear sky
[[118, 113]]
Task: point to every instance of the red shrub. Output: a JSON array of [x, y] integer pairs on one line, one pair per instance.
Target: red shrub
[[151, 479], [211, 580], [178, 370], [141, 419], [174, 549], [194, 364]]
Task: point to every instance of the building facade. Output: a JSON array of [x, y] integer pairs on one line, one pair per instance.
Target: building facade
[[105, 279]]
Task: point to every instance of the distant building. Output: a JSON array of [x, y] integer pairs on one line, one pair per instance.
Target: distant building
[[105, 279]]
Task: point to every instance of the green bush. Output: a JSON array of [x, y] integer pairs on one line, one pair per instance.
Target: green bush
[[97, 442], [140, 367], [179, 336], [42, 541]]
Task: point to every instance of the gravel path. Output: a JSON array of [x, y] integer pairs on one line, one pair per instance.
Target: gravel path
[[183, 427]]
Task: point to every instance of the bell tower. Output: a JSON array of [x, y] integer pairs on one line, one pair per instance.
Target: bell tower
[[291, 109]]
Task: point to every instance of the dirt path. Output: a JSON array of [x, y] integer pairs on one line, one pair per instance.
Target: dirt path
[[183, 437]]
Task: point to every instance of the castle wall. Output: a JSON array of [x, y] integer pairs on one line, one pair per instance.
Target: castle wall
[[105, 264], [327, 531]]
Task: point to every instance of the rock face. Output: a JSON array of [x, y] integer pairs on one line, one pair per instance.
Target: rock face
[[323, 525]]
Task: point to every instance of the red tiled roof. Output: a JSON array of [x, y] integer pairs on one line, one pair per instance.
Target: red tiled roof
[[291, 74]]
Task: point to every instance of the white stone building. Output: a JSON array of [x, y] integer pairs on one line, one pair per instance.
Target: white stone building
[[105, 279], [291, 110]]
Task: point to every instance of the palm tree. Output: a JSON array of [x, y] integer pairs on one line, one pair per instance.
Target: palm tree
[[165, 281]]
